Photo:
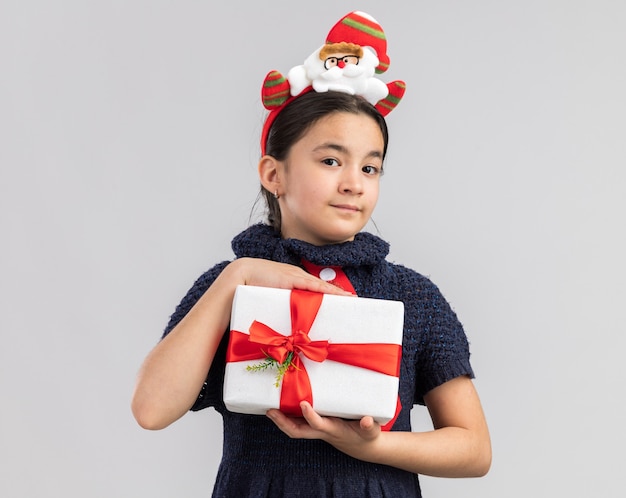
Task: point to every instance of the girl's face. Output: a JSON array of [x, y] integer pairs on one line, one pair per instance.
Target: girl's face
[[330, 179]]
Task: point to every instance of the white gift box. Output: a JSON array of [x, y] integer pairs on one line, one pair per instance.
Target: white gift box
[[338, 388]]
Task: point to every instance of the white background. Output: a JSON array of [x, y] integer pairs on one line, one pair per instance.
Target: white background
[[129, 140]]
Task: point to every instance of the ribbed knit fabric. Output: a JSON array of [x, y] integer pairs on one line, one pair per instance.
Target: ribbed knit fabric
[[258, 459]]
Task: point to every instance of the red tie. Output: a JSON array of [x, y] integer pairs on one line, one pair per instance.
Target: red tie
[[331, 274]]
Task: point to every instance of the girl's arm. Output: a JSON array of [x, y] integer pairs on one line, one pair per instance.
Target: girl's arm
[[173, 372], [459, 445]]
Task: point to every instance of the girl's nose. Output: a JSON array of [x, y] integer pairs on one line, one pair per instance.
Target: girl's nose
[[351, 181]]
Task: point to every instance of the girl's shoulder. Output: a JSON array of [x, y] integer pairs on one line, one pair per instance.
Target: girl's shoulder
[[204, 281], [415, 289], [407, 278], [195, 292]]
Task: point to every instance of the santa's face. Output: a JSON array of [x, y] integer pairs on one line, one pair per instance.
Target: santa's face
[[340, 60], [341, 70]]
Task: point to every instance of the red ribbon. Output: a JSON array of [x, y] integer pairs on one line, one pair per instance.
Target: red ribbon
[[263, 341]]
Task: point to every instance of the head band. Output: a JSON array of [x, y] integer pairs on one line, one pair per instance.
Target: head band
[[354, 51]]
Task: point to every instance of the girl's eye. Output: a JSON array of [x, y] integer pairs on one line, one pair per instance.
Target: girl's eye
[[371, 170], [330, 162]]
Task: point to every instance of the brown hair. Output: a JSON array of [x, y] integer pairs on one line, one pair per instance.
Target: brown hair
[[335, 48], [296, 119]]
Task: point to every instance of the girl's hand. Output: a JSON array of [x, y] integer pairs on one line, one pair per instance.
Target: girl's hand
[[356, 438], [265, 273]]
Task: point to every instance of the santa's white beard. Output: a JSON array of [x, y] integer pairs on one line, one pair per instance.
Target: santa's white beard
[[351, 79]]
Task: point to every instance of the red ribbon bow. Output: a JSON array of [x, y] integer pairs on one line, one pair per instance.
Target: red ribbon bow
[[263, 340]]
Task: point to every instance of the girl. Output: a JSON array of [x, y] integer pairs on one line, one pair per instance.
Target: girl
[[320, 177]]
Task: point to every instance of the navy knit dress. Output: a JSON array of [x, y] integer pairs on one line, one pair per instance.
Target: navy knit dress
[[261, 461]]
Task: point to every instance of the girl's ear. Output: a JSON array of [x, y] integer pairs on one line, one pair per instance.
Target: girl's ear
[[270, 174]]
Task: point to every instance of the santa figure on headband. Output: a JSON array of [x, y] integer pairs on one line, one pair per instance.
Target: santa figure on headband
[[355, 50]]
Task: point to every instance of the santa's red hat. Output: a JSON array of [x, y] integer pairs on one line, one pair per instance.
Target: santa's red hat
[[361, 29]]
